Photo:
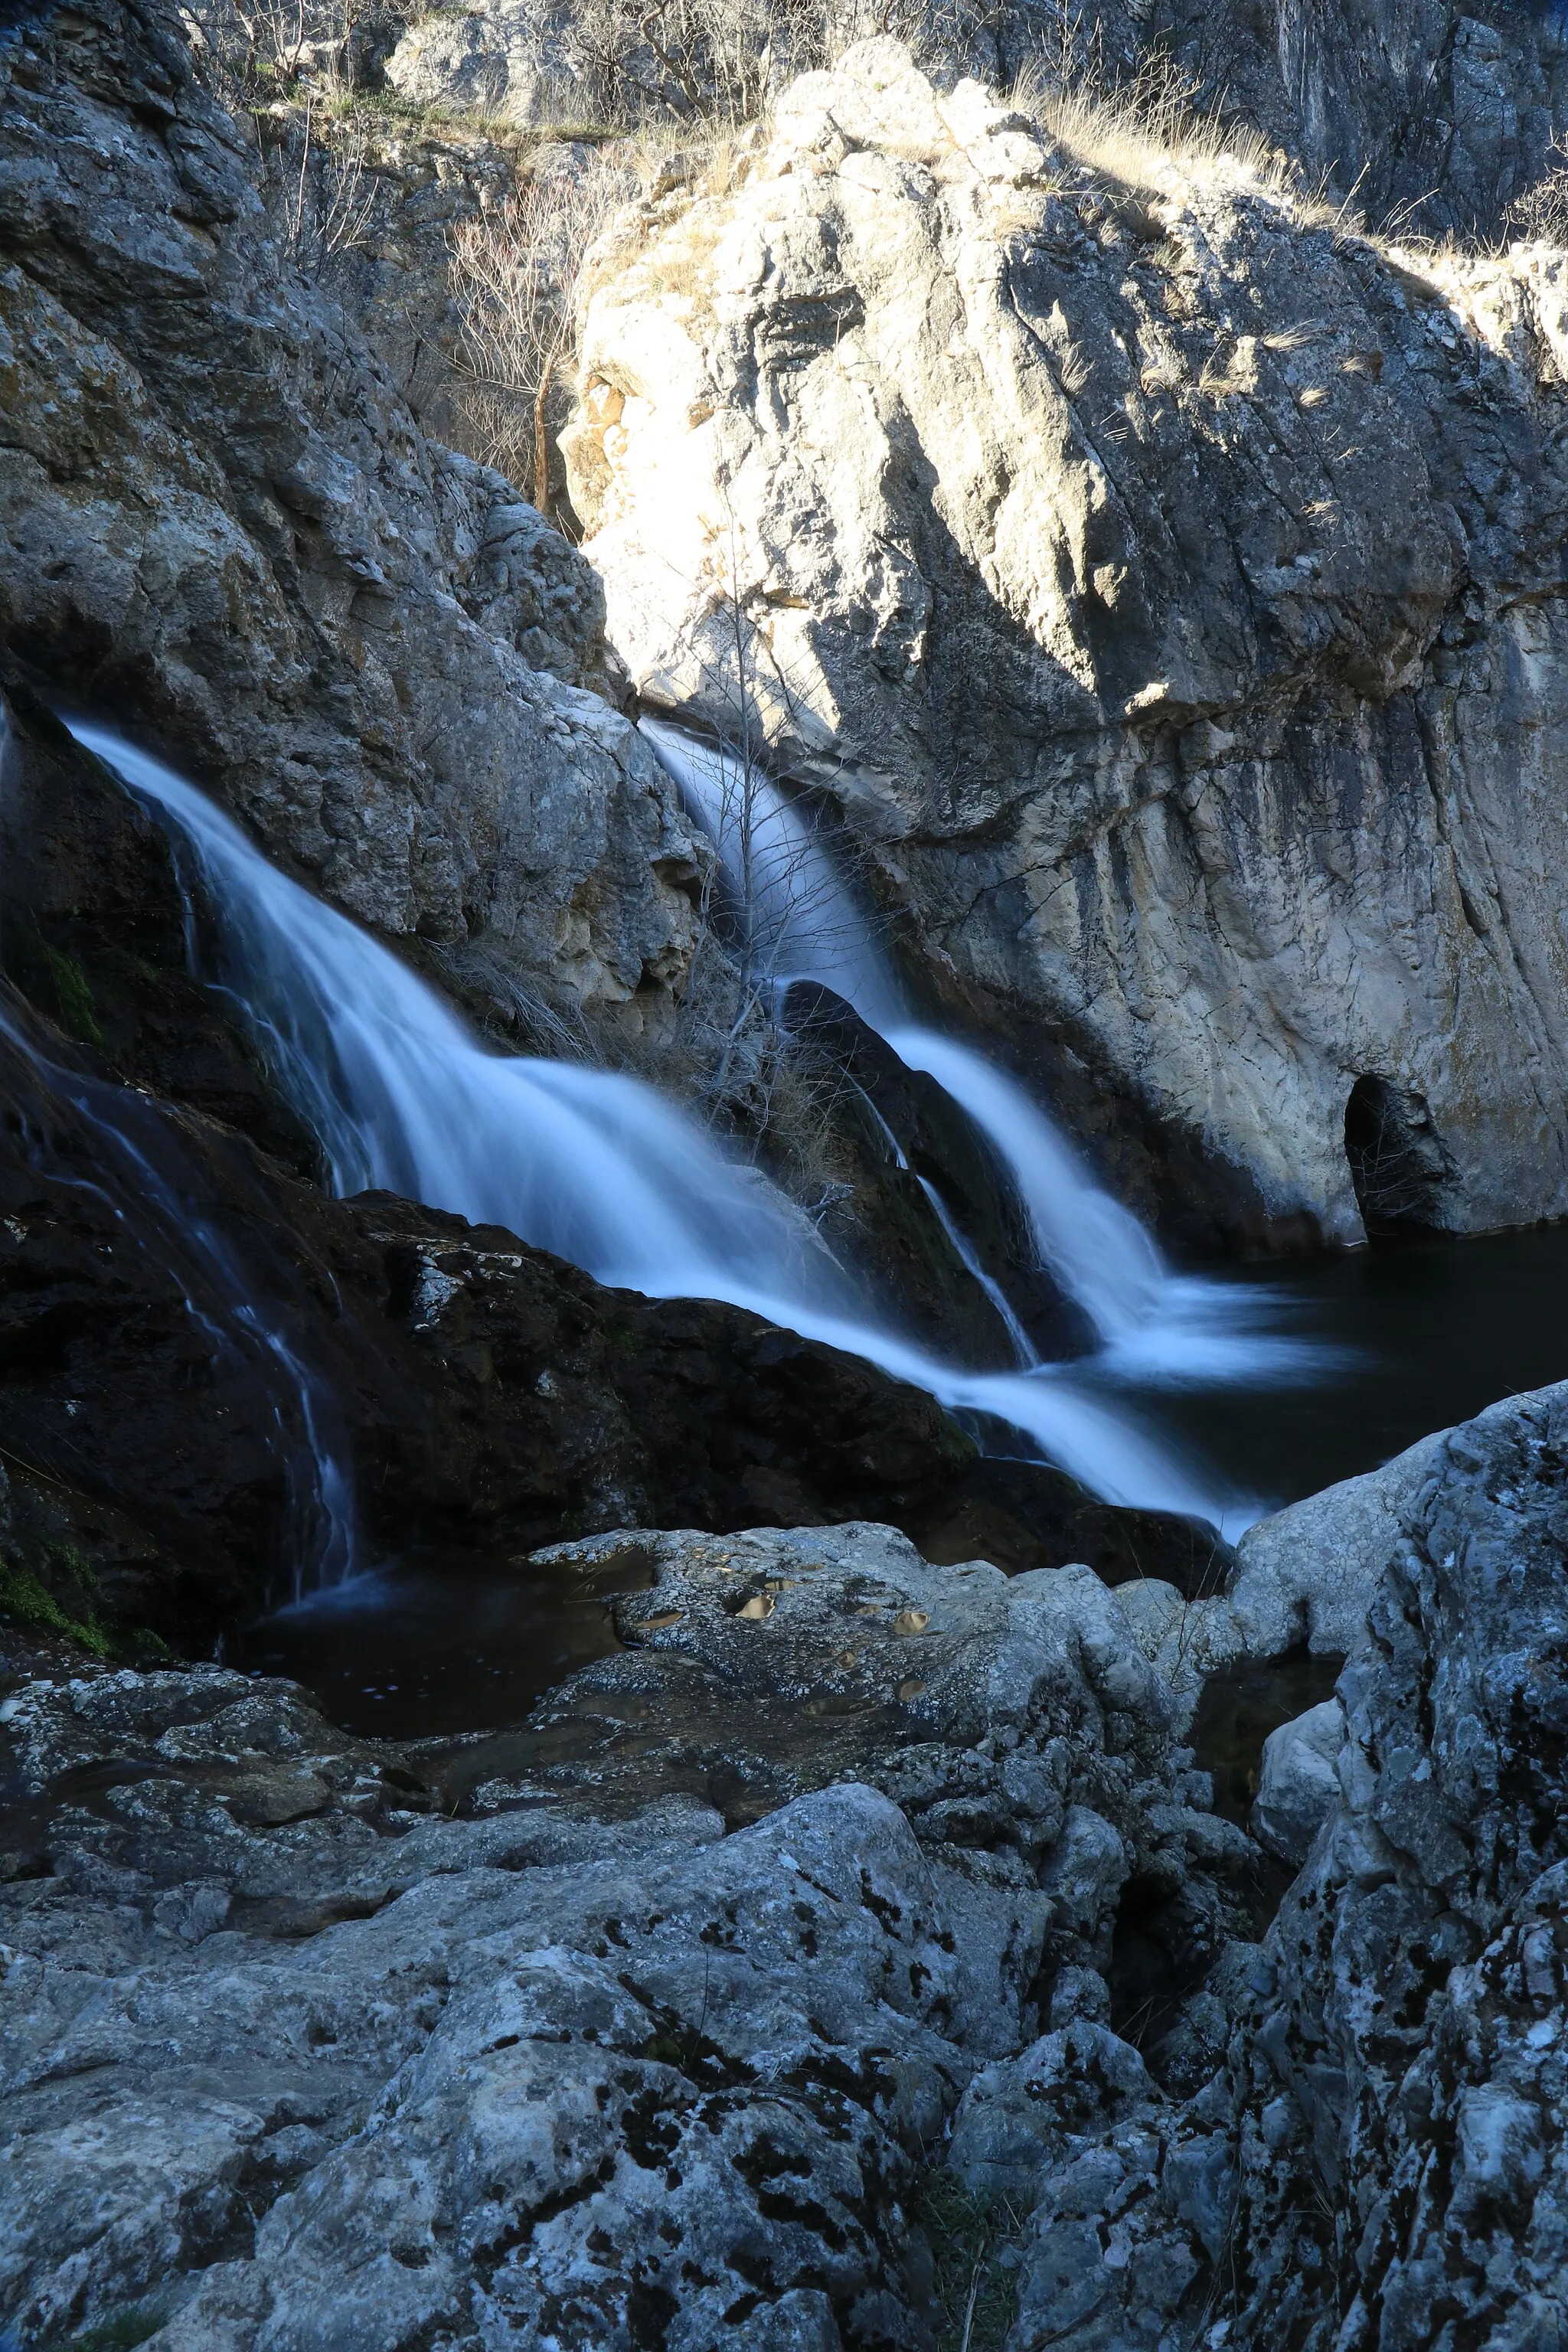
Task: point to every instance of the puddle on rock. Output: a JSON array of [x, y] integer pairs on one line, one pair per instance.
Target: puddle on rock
[[1240, 1706], [438, 1647]]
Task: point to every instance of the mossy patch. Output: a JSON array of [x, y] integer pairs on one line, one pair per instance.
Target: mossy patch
[[56, 983], [969, 2234], [121, 2331], [65, 1604], [73, 995]]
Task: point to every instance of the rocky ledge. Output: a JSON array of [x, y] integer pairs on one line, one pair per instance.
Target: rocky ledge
[[832, 1903]]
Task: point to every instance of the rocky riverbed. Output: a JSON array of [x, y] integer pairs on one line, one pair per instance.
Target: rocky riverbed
[[685, 2012]]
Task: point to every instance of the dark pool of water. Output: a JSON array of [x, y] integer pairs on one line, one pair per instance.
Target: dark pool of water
[[439, 1646], [1429, 1331]]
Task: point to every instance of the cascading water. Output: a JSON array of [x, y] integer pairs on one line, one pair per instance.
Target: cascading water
[[968, 1257], [806, 924], [594, 1167]]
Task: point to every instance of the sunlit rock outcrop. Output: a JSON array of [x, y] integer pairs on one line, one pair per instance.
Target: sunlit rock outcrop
[[1166, 580]]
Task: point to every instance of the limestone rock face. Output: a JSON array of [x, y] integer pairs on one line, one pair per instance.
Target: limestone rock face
[[1302, 1579], [304, 2045], [220, 526], [1379, 2159], [1164, 583], [485, 61]]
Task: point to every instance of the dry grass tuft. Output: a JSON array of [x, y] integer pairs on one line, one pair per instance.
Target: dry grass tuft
[[1145, 136]]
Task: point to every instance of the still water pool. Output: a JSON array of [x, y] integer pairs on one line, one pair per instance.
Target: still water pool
[[1421, 1332]]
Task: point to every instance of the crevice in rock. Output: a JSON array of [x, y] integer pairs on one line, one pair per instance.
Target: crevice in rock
[[1397, 1161]]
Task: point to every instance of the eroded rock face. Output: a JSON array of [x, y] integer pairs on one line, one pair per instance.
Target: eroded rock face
[[1379, 2159], [1141, 563], [220, 526], [302, 2048]]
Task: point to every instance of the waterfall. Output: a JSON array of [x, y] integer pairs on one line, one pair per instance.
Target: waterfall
[[595, 1166], [809, 927], [1097, 1249], [141, 1171], [1156, 1327]]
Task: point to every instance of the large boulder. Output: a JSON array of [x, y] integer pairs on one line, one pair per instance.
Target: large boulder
[[1302, 1581], [1378, 2157], [1164, 585]]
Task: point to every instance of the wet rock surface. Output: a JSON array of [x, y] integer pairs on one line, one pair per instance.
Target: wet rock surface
[[481, 1392]]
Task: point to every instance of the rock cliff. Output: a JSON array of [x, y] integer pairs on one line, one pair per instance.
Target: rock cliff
[[1426, 107], [220, 524], [1163, 581]]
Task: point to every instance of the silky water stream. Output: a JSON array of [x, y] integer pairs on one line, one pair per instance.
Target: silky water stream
[[1184, 1406]]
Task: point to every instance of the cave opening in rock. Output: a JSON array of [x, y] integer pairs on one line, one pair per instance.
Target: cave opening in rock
[[1397, 1162]]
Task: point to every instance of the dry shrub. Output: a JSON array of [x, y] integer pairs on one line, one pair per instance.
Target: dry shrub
[[320, 199], [1541, 215], [721, 61], [254, 52], [517, 269], [1144, 137]]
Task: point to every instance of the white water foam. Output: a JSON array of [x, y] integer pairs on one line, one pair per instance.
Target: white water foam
[[595, 1167]]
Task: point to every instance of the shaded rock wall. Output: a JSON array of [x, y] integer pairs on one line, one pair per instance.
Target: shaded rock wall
[[220, 525], [1378, 2157], [1426, 109], [1165, 585]]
